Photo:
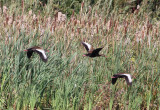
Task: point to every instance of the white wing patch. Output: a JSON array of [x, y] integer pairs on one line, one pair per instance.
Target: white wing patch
[[43, 53], [129, 77], [88, 45]]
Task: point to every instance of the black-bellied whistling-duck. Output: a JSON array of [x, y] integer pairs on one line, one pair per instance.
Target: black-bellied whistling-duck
[[122, 75], [91, 51], [38, 50]]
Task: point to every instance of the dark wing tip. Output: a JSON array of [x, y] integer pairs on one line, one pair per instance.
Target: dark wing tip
[[29, 54], [114, 80], [97, 50], [44, 60]]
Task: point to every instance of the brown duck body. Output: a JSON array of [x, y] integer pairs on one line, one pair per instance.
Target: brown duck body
[[38, 50], [91, 51]]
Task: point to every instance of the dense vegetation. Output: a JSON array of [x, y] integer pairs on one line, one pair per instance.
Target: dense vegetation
[[68, 6], [131, 41]]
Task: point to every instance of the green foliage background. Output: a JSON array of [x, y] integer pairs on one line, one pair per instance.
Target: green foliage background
[[68, 6], [69, 81]]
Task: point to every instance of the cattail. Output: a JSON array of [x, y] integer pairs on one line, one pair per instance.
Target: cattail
[[72, 14], [104, 21], [75, 22], [115, 26], [89, 23], [13, 18], [94, 22], [97, 28], [157, 32], [78, 30], [143, 34], [125, 27], [149, 26], [56, 17], [110, 23], [7, 19], [82, 4], [22, 5], [72, 30], [89, 12]]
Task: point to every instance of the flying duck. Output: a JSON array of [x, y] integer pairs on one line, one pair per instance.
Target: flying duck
[[38, 50], [91, 51], [122, 75]]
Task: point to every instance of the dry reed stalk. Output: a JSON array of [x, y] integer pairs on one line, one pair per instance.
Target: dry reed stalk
[[82, 5], [125, 28], [13, 18], [97, 29], [22, 6]]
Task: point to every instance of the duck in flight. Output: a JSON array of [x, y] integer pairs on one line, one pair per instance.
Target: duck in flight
[[127, 77], [91, 51], [38, 50]]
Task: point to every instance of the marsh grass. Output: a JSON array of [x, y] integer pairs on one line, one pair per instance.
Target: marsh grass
[[68, 80]]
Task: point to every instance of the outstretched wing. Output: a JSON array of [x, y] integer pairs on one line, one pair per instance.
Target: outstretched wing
[[114, 80], [87, 46], [96, 51], [42, 54], [128, 78]]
